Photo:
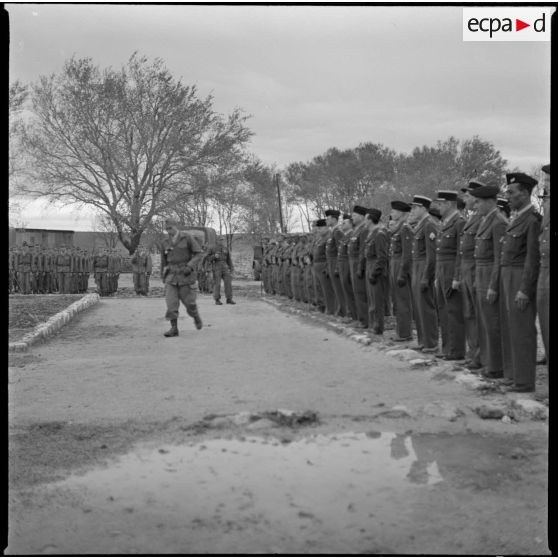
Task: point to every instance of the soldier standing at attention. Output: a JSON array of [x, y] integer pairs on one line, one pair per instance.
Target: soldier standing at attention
[[448, 292], [180, 254], [24, 269], [335, 235], [220, 257], [36, 269], [355, 250], [141, 270], [100, 272], [400, 251], [344, 270], [488, 247], [543, 284], [63, 268], [424, 267], [518, 285], [375, 262], [319, 263]]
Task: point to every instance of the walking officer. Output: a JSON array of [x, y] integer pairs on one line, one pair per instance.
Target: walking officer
[[423, 256], [487, 253], [180, 254], [401, 245], [518, 285], [448, 292]]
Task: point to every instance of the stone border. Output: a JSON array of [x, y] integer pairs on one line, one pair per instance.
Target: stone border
[[516, 405], [54, 323]]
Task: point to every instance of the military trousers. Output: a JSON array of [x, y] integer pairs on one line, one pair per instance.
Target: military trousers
[[308, 283], [543, 305], [221, 272], [426, 316], [24, 280], [335, 279], [376, 295], [101, 280], [140, 282], [450, 310], [348, 295], [327, 297], [287, 280], [174, 294], [519, 332], [474, 336], [402, 301], [489, 317], [359, 290], [63, 282]]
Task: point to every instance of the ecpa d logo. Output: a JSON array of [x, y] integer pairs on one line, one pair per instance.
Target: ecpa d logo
[[507, 24]]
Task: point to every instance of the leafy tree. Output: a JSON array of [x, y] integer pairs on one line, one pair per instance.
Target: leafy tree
[[129, 142]]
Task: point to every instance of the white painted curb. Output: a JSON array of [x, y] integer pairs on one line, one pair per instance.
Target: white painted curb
[[53, 324]]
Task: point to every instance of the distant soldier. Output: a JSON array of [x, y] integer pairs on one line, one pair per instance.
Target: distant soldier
[[48, 268], [375, 262], [319, 263], [448, 265], [344, 267], [36, 269], [335, 235], [12, 263], [423, 273], [63, 270], [100, 265], [518, 285], [141, 270], [355, 250], [180, 254], [220, 258], [488, 246], [307, 272], [401, 263], [543, 284]]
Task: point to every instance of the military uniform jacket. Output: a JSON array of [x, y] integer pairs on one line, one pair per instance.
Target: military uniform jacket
[[141, 263], [376, 250], [520, 248], [177, 255], [467, 240], [335, 236], [447, 241], [488, 244], [220, 255], [37, 262], [63, 263], [24, 262], [319, 250], [343, 247], [401, 245], [544, 241], [424, 247], [100, 263], [356, 242]]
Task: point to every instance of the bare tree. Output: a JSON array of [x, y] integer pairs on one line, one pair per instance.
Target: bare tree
[[128, 142]]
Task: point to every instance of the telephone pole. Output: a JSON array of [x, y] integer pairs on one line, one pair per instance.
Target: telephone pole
[[280, 206]]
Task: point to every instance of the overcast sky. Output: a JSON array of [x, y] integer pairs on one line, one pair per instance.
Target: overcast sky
[[312, 77]]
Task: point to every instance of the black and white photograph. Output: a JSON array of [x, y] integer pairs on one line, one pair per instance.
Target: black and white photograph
[[279, 279]]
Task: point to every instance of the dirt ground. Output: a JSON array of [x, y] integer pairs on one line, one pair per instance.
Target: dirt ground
[[123, 441]]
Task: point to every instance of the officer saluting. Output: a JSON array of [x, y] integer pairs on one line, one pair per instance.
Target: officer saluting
[[518, 285], [180, 254]]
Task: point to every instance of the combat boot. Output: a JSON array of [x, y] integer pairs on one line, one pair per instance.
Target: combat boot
[[198, 321], [230, 301], [173, 331]]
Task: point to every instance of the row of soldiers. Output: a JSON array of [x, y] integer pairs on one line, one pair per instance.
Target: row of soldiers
[[473, 277], [39, 270]]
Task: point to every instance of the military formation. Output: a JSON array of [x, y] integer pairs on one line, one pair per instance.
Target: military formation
[[469, 269], [63, 270]]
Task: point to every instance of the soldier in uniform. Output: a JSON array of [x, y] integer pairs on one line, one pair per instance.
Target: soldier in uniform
[[220, 258], [287, 260], [487, 277], [12, 258], [335, 235], [266, 267], [319, 264], [518, 285], [423, 273], [180, 254], [63, 269], [344, 268], [307, 262], [141, 270], [374, 262], [355, 249], [100, 272], [448, 293], [401, 245], [543, 284], [24, 269]]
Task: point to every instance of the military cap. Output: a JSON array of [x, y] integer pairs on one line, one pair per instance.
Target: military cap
[[546, 168], [374, 213], [421, 200], [332, 213], [472, 185], [359, 209], [521, 178], [346, 216], [435, 212], [485, 192], [446, 195], [401, 206], [321, 223]]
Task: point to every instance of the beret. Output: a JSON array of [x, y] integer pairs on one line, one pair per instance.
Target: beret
[[485, 192], [400, 206], [374, 213], [521, 178], [359, 209], [320, 223], [346, 216], [332, 213]]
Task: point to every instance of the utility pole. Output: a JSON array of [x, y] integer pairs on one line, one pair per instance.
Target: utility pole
[[280, 207]]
